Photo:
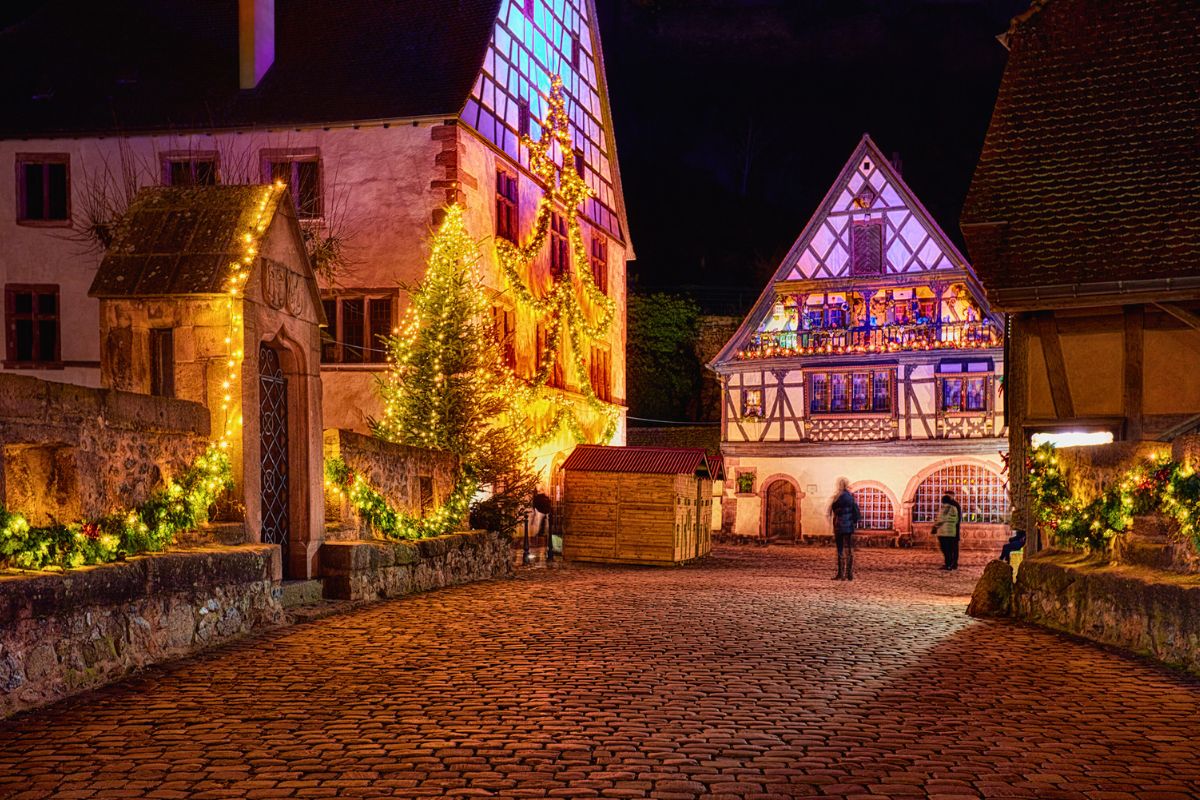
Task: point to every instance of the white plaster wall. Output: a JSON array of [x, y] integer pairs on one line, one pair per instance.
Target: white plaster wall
[[817, 478]]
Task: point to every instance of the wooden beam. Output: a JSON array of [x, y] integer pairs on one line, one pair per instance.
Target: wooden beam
[[1056, 365], [1135, 323], [1182, 314]]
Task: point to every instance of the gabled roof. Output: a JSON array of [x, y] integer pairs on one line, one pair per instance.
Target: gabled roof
[[643, 460], [81, 66], [178, 240], [1086, 186], [812, 254]]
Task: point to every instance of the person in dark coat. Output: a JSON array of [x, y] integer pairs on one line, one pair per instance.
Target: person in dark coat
[[845, 515], [1015, 542]]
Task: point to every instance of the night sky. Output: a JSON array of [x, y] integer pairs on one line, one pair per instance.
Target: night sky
[[733, 117]]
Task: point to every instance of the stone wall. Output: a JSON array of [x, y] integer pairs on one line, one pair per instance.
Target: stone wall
[[395, 470], [1151, 612], [69, 452], [368, 570], [1091, 470], [63, 633]]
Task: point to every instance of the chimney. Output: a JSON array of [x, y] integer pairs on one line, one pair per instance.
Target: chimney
[[256, 40], [897, 163]]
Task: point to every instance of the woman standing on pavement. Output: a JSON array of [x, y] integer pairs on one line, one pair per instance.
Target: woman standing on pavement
[[945, 527]]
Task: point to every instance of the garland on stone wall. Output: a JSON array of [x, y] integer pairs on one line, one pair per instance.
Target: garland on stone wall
[[177, 506], [390, 523], [1156, 485], [561, 307]]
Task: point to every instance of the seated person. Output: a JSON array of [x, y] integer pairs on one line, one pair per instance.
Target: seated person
[[1015, 543]]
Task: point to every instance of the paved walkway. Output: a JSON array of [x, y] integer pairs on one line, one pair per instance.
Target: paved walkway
[[752, 675]]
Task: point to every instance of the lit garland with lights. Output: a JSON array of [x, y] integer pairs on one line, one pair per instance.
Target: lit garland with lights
[[561, 306], [179, 505], [1158, 484], [386, 520]]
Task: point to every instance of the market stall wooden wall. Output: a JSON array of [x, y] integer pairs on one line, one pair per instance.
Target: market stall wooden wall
[[636, 505]]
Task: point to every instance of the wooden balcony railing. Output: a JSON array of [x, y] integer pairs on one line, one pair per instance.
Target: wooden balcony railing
[[886, 339]]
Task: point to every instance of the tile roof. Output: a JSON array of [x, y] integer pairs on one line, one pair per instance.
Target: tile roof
[[651, 460], [81, 66], [177, 240], [1089, 172]]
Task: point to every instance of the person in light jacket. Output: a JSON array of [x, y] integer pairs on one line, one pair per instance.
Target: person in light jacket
[[945, 527], [845, 515]]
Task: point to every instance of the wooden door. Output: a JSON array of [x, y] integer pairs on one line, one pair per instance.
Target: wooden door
[[781, 512]]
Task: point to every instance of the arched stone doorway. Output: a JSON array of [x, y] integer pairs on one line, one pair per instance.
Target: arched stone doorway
[[782, 513], [274, 483]]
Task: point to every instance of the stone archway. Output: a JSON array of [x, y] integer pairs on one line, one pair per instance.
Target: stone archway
[[284, 440]]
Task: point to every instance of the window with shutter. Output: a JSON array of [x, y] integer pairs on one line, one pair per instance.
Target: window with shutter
[[866, 247]]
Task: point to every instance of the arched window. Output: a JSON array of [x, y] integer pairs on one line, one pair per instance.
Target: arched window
[[875, 508], [979, 491]]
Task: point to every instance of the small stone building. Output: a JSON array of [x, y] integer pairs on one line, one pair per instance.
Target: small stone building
[[207, 294]]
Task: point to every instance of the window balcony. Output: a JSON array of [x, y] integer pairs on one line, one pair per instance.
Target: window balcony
[[976, 334]]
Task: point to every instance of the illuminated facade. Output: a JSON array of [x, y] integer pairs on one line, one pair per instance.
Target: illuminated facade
[[872, 356], [370, 160]]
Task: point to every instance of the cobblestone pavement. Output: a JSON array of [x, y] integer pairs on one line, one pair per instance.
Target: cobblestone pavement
[[752, 675]]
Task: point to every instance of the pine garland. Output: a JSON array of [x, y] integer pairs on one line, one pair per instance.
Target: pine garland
[[1158, 484], [561, 306], [391, 523], [180, 505]]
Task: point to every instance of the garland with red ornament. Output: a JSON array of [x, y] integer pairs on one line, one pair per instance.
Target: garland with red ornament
[[1156, 485]]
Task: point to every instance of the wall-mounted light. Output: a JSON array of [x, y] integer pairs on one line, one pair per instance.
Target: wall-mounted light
[[1072, 438]]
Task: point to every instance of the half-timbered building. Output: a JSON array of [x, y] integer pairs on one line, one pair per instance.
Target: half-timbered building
[[872, 355], [1084, 221]]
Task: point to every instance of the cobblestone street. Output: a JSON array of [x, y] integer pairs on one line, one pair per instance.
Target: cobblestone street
[[752, 675]]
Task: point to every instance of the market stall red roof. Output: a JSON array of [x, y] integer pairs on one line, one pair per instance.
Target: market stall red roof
[[646, 460]]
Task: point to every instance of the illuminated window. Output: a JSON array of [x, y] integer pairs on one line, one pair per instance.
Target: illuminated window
[[504, 327], [43, 188], [358, 328], [601, 370], [189, 169], [301, 171], [752, 402], [875, 509], [965, 385], [981, 493], [556, 377], [600, 261], [506, 206], [559, 254], [31, 314], [853, 391]]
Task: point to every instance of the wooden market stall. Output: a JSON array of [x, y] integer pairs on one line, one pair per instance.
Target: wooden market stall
[[637, 505]]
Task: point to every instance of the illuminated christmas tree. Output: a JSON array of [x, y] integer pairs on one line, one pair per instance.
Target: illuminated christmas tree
[[446, 386]]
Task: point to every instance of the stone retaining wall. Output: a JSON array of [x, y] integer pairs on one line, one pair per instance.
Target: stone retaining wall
[[368, 570], [71, 452], [63, 633], [1148, 611], [398, 472]]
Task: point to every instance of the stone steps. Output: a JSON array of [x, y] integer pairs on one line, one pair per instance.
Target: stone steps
[[293, 594]]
